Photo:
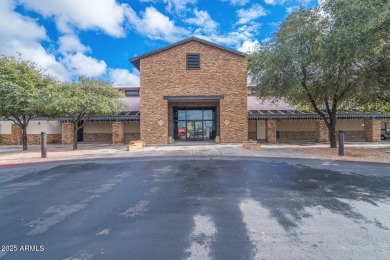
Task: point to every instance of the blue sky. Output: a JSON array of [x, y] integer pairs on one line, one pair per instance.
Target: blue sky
[[95, 38]]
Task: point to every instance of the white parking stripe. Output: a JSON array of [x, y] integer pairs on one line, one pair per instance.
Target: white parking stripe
[[202, 236]]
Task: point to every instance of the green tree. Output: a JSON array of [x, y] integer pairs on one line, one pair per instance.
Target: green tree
[[314, 61], [21, 84], [375, 26], [78, 101]]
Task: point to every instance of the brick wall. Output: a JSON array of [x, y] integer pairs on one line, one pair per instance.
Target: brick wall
[[252, 135], [118, 136], [50, 138], [131, 137], [6, 139], [67, 133], [17, 134], [297, 135], [372, 129], [98, 138], [270, 131], [322, 133], [165, 74]]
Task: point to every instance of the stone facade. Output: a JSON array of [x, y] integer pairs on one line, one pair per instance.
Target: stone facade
[[118, 133], [50, 139], [297, 135], [372, 129], [165, 74], [270, 131], [131, 137], [17, 134], [67, 133], [354, 135], [322, 133], [252, 135], [98, 138]]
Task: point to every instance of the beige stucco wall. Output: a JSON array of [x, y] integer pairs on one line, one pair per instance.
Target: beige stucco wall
[[5, 127], [309, 125], [50, 127], [132, 127], [251, 125], [350, 125], [165, 74], [97, 128], [106, 127]]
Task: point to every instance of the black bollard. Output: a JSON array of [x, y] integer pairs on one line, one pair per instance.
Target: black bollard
[[341, 142], [43, 145]]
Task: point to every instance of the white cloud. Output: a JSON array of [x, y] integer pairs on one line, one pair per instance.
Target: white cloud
[[178, 6], [21, 34], [248, 46], [203, 19], [71, 43], [155, 25], [247, 15], [82, 65], [291, 9], [235, 39], [237, 2], [282, 2], [270, 2], [122, 77], [105, 15]]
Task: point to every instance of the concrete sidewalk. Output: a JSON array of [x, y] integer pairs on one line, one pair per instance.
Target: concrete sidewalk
[[11, 155]]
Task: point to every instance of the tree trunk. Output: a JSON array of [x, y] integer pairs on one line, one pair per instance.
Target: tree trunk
[[75, 136], [24, 137], [332, 131]]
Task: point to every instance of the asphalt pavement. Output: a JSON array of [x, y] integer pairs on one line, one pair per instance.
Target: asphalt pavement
[[195, 208]]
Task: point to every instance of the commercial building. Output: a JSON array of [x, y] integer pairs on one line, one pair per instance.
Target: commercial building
[[196, 90]]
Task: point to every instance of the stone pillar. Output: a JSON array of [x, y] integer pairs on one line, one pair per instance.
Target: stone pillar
[[372, 130], [17, 134], [118, 136], [67, 133], [270, 131], [322, 132]]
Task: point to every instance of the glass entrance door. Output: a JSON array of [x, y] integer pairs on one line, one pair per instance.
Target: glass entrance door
[[194, 124], [194, 130]]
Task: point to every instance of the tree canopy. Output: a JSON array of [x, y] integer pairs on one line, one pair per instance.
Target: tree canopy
[[22, 83], [318, 59], [78, 101]]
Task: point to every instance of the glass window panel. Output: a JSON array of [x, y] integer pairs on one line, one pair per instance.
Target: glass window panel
[[181, 130], [208, 130], [181, 114], [190, 130], [194, 114], [198, 130], [208, 114]]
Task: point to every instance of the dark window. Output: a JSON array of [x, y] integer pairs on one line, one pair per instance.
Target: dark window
[[193, 61], [131, 93]]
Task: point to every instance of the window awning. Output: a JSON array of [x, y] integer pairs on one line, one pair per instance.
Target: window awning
[[296, 114]]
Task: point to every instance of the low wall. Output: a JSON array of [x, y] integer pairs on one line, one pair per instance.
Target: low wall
[[297, 135], [98, 137]]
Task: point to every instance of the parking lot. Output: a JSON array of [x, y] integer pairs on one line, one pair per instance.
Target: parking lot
[[196, 208]]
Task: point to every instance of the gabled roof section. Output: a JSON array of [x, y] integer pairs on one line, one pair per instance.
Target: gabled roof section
[[136, 60]]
